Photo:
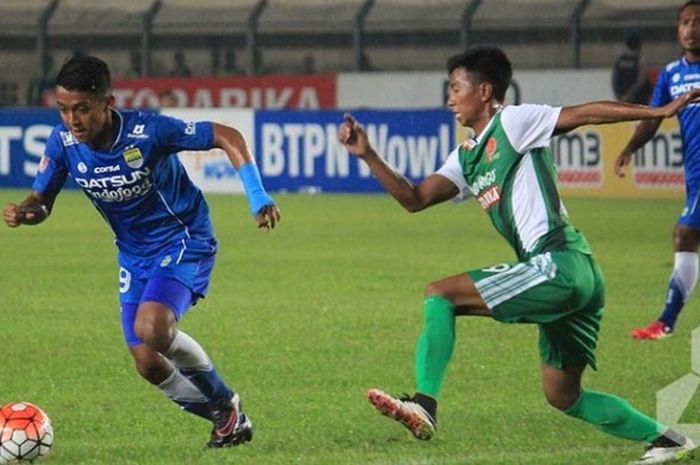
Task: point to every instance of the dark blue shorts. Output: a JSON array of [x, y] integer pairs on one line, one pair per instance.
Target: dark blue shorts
[[177, 278]]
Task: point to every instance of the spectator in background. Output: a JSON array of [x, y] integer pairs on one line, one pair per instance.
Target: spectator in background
[[230, 64], [630, 78], [365, 63], [180, 68]]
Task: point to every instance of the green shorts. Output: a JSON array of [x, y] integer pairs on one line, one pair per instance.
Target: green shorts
[[563, 292]]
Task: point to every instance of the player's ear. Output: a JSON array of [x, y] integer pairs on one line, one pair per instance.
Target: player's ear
[[110, 101], [486, 91]]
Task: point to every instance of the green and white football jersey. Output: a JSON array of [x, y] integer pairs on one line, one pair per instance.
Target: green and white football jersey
[[508, 168]]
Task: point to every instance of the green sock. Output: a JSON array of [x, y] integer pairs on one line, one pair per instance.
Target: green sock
[[615, 416], [435, 345]]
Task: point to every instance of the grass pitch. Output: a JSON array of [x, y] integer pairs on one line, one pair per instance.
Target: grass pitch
[[303, 320]]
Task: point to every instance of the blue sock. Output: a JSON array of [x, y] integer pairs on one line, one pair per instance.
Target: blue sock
[[674, 303], [209, 382], [201, 409]]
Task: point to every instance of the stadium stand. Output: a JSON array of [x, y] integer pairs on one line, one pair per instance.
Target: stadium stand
[[276, 36]]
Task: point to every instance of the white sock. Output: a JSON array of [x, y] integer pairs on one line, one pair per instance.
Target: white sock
[[180, 389], [685, 270], [187, 354]]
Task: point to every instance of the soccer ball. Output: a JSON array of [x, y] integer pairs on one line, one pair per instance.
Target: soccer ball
[[25, 432]]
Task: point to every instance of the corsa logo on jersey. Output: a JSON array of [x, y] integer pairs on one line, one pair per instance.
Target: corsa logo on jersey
[[489, 197]]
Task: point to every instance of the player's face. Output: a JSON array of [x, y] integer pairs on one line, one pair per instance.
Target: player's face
[[84, 113], [689, 29], [466, 97]]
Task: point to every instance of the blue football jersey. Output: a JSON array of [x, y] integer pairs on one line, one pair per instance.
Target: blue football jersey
[[138, 185], [674, 80]]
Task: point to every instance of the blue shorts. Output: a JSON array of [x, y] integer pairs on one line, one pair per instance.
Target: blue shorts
[[177, 278], [691, 212]]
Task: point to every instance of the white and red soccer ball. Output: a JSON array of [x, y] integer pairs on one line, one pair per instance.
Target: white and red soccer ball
[[25, 432]]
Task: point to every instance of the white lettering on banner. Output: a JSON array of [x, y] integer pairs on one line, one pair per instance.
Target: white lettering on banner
[[660, 162], [7, 135], [308, 98], [293, 132], [256, 97], [578, 158], [34, 144], [337, 157], [273, 150], [33, 140], [231, 97], [294, 148], [314, 145], [202, 99]]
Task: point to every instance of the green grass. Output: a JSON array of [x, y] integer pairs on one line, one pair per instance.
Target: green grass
[[303, 320]]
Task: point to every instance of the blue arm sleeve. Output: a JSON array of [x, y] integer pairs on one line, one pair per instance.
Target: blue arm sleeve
[[257, 197]]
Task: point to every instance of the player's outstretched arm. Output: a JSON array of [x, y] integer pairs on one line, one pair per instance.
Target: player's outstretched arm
[[612, 112], [262, 207], [643, 133], [413, 197], [33, 210]]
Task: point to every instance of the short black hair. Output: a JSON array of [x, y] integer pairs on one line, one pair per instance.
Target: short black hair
[[686, 5], [487, 64], [85, 74]]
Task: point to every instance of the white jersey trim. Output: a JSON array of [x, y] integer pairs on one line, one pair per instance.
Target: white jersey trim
[[528, 205], [452, 170]]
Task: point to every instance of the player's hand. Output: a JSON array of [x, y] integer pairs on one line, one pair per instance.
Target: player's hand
[[622, 161], [268, 217], [12, 215], [353, 136], [25, 213], [673, 107]]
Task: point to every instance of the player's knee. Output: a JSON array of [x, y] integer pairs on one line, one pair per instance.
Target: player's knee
[[150, 369], [436, 289], [154, 330], [686, 238], [145, 328]]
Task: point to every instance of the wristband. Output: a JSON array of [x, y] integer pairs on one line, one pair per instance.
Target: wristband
[[257, 197]]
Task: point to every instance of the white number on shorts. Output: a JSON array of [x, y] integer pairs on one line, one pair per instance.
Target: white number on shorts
[[497, 268], [124, 280]]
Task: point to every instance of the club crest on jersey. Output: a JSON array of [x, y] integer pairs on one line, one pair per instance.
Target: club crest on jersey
[[491, 149], [133, 157]]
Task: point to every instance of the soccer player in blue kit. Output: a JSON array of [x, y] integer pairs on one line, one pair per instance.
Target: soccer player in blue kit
[[125, 163], [675, 79]]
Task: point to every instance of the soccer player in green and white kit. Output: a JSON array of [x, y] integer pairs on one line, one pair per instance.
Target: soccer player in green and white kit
[[555, 283]]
